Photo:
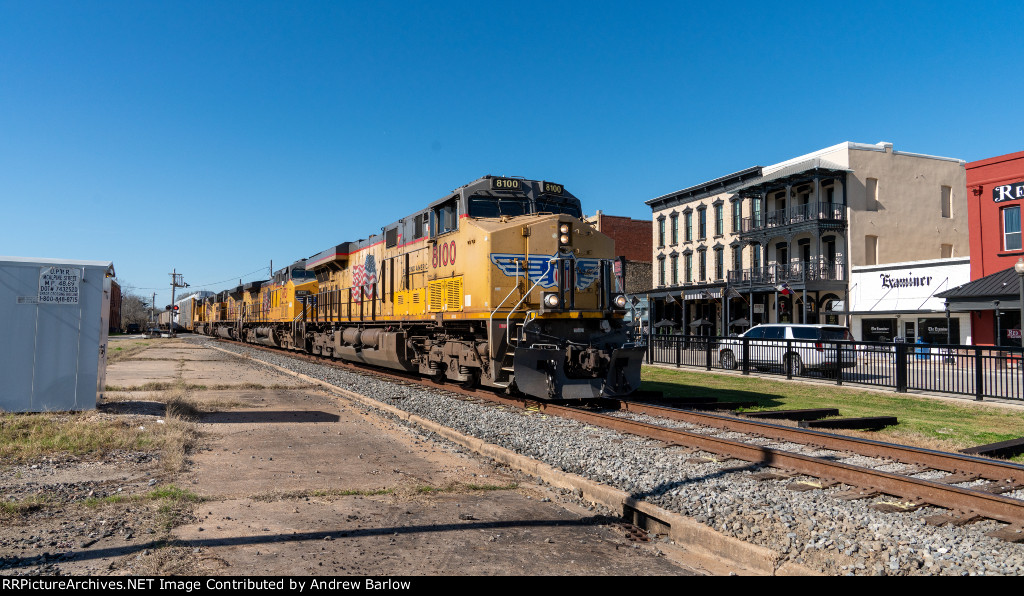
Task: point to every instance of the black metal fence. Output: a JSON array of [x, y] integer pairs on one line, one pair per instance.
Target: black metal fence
[[980, 371]]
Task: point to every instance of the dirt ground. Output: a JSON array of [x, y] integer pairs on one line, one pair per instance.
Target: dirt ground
[[285, 479]]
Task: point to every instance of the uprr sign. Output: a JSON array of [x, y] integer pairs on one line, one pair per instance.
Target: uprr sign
[[1008, 192], [59, 285]]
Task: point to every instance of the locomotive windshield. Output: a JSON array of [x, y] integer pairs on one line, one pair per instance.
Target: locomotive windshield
[[548, 206], [494, 207]]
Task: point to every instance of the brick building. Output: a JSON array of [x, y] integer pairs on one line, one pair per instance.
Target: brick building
[[995, 194], [632, 241]]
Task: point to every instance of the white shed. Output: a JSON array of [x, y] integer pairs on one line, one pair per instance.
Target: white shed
[[53, 333]]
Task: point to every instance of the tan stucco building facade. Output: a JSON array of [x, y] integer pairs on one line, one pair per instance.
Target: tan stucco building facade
[[777, 243]]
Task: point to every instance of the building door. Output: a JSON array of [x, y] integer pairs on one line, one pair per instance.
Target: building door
[[909, 332]]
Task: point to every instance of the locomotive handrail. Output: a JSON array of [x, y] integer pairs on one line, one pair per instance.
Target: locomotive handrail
[[508, 319], [490, 319]]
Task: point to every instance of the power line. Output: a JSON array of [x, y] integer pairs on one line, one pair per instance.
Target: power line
[[202, 285]]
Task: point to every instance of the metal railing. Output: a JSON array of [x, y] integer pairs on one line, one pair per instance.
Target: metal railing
[[795, 214], [799, 272], [979, 371]]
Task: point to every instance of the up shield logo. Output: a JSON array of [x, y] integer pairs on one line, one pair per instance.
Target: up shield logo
[[543, 269]]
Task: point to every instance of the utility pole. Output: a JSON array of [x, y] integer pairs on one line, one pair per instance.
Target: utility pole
[[152, 312], [176, 282]]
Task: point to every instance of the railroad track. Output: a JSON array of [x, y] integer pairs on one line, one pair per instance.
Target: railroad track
[[985, 497]]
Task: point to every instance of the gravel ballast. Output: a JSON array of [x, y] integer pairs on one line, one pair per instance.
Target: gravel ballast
[[811, 528]]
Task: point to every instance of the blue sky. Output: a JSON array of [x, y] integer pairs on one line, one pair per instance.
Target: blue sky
[[213, 137]]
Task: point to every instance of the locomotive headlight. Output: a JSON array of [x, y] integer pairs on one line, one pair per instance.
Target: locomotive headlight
[[620, 301], [551, 300], [564, 234]]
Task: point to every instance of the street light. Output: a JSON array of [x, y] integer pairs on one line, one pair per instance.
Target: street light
[[947, 325], [1019, 268], [998, 331]]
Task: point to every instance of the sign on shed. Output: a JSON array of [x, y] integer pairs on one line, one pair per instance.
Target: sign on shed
[[59, 285]]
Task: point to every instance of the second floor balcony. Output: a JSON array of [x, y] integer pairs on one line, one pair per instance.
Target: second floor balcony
[[801, 272], [795, 214]]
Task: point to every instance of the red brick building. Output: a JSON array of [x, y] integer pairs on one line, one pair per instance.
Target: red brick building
[[995, 197], [995, 193], [632, 241]]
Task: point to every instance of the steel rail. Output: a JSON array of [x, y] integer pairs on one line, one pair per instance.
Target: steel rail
[[914, 489], [938, 460]]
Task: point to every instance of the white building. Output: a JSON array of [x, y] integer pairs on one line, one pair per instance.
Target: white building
[[898, 300]]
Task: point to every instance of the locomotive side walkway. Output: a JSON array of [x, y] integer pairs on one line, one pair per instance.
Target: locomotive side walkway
[[298, 481]]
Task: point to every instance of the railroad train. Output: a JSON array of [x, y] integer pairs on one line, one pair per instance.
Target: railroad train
[[182, 315], [500, 283]]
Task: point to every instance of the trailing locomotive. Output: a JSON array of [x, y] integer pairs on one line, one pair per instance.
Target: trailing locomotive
[[499, 283]]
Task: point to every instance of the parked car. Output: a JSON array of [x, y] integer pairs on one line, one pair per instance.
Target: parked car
[[810, 348]]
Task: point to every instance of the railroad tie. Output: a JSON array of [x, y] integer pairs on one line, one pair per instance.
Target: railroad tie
[[806, 485], [999, 487], [956, 477], [773, 475], [897, 506], [855, 494], [952, 518], [1009, 533]]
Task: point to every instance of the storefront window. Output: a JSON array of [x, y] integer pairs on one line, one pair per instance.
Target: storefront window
[[933, 331], [878, 329], [1009, 328]]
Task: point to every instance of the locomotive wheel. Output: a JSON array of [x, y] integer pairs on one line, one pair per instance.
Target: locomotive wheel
[[472, 382]]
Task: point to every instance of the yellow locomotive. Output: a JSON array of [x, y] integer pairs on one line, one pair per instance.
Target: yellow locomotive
[[499, 283]]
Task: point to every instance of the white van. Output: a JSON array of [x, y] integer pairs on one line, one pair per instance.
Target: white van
[[811, 347]]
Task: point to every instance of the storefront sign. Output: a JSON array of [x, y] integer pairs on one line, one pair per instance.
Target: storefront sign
[[910, 281], [907, 287], [1008, 192]]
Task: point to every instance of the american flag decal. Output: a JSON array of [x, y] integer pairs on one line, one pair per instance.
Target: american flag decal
[[364, 277]]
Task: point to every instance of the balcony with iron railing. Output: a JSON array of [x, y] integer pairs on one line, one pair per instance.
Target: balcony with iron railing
[[796, 214], [794, 273]]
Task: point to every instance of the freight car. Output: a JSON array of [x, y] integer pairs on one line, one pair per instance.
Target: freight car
[[184, 318], [499, 283]]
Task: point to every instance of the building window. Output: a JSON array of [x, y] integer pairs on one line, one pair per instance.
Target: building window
[[702, 224], [871, 250], [871, 187], [661, 271], [755, 256], [737, 258], [757, 213], [702, 264], [719, 264], [661, 232], [736, 214], [719, 223], [675, 270], [688, 268], [1011, 228], [947, 201], [946, 251], [830, 194], [689, 226], [675, 229]]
